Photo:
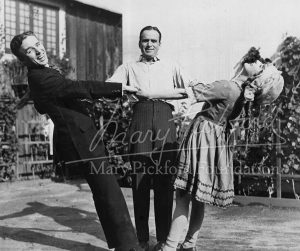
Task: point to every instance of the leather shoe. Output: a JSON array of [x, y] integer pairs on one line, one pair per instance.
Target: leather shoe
[[181, 248], [158, 246], [130, 249], [144, 245]]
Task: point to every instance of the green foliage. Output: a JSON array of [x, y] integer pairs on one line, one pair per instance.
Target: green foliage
[[8, 140], [62, 63], [289, 52], [15, 70], [16, 77], [277, 124], [114, 117]]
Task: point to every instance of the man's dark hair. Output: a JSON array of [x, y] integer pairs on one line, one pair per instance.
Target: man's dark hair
[[149, 28], [16, 43]]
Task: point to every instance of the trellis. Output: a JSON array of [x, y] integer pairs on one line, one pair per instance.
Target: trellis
[[33, 153], [276, 173]]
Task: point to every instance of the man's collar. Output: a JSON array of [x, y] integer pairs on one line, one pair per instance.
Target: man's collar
[[35, 67], [143, 59]]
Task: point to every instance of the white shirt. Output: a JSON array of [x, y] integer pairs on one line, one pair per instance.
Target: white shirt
[[158, 74]]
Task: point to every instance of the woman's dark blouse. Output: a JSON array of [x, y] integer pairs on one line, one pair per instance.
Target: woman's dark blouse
[[223, 101]]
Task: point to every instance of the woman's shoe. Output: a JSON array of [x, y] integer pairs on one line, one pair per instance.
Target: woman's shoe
[[159, 246], [187, 249], [144, 246], [179, 247]]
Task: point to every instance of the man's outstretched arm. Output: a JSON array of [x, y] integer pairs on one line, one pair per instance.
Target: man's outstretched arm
[[56, 86]]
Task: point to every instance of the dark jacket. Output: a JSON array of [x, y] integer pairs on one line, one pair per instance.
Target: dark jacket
[[60, 99]]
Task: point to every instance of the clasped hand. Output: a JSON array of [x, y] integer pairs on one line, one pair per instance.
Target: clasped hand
[[130, 89], [150, 94]]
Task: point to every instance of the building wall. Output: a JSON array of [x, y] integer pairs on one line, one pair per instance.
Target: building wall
[[2, 41], [207, 37], [94, 41]]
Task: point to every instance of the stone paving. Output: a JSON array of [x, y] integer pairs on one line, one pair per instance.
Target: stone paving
[[43, 215]]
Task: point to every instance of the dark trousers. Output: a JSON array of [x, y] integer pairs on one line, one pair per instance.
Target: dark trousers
[[109, 202], [152, 144], [112, 211]]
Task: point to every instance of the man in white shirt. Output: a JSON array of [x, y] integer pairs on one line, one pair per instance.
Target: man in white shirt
[[152, 133]]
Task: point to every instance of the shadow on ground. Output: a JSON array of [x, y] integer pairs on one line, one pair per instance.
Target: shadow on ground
[[30, 236], [79, 221]]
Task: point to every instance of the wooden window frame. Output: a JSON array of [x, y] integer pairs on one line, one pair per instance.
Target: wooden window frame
[[45, 6]]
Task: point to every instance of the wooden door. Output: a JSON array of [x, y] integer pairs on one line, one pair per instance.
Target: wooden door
[[94, 41]]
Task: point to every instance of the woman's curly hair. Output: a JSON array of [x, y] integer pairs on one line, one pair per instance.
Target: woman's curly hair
[[252, 56]]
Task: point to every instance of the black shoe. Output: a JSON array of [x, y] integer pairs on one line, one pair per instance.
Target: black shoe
[[136, 249], [158, 246], [187, 249], [130, 249], [179, 247], [144, 245]]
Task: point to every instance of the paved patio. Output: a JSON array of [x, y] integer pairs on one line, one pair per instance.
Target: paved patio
[[43, 215]]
